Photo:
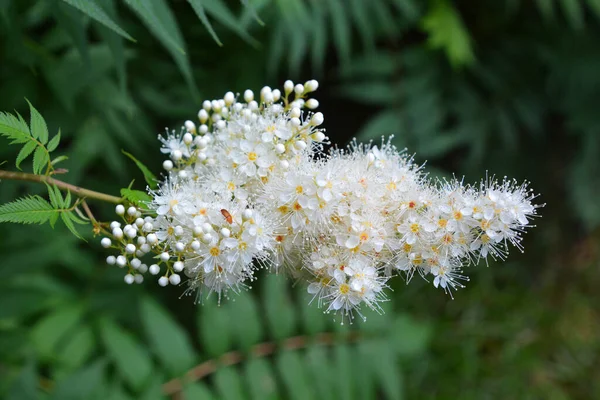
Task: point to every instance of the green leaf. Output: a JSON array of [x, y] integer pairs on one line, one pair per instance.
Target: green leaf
[[214, 326], [199, 10], [75, 26], [280, 312], [78, 348], [94, 11], [260, 380], [130, 358], [15, 129], [59, 159], [25, 152], [24, 387], [448, 33], [81, 384], [573, 10], [136, 196], [386, 123], [342, 33], [167, 339], [244, 310], [68, 218], [148, 175], [229, 384], [294, 376], [546, 7], [219, 10], [39, 130], [376, 93], [253, 12], [40, 159], [27, 210], [197, 391], [318, 363], [54, 142], [47, 334]]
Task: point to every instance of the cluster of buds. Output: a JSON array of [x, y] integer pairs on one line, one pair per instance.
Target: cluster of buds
[[250, 186]]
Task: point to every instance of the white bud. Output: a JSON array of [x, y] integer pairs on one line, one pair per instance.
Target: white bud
[[247, 214], [276, 95], [317, 119], [319, 136], [129, 279], [168, 165], [295, 112], [111, 260], [195, 245], [176, 155], [203, 129], [225, 232], [163, 281], [295, 122], [141, 240], [300, 144], [188, 138], [139, 222], [264, 90], [206, 105], [299, 89], [238, 107], [280, 148], [130, 248], [248, 96], [198, 231], [311, 104], [179, 247], [120, 210], [311, 85], [174, 279], [105, 242], [203, 116], [268, 97], [154, 269], [152, 238], [139, 253], [145, 248], [143, 268], [117, 233], [139, 278], [207, 227], [148, 226], [229, 98], [178, 230], [216, 105], [253, 105], [121, 261], [190, 126], [220, 124], [164, 256], [288, 86], [114, 225], [206, 238], [285, 164], [135, 263], [131, 233], [178, 266]]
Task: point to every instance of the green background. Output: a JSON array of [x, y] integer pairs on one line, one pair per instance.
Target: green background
[[472, 87]]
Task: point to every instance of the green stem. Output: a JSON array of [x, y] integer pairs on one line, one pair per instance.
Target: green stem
[[76, 190]]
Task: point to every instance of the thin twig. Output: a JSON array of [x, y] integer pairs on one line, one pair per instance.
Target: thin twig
[[76, 190], [175, 386]]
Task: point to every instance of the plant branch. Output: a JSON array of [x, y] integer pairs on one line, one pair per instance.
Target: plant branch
[[76, 190], [175, 386]]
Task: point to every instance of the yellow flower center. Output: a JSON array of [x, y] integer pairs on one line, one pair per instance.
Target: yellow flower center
[[252, 156], [414, 228], [364, 237], [442, 223], [214, 251], [344, 288], [230, 186], [299, 189], [243, 246]]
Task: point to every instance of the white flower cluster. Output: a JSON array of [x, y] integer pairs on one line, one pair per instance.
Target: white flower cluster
[[250, 186]]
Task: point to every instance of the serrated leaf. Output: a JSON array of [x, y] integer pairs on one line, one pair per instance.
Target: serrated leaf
[[342, 34], [199, 10], [59, 159], [79, 347], [167, 339], [215, 328], [27, 210], [148, 175], [25, 152], [136, 196], [14, 128], [229, 384], [69, 224], [448, 33], [197, 391], [47, 334], [53, 144], [39, 130], [40, 159], [130, 358], [81, 384], [75, 26], [260, 380], [94, 11], [253, 12]]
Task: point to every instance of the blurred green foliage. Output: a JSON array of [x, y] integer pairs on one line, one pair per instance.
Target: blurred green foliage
[[510, 87]]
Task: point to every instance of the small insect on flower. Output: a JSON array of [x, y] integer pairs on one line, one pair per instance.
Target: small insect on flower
[[227, 216]]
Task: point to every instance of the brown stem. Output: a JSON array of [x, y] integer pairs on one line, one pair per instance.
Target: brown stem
[[174, 386], [76, 190], [88, 212]]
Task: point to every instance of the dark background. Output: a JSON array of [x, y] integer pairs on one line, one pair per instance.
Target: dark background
[[472, 88]]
